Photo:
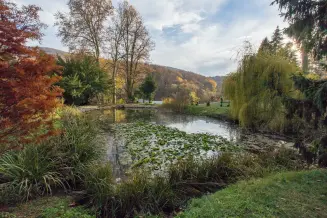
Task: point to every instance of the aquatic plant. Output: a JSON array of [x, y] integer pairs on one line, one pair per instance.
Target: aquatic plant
[[155, 146], [144, 194]]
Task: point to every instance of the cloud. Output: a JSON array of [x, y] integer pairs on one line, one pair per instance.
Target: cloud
[[201, 36]]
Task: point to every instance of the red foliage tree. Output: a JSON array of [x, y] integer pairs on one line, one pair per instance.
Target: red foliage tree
[[27, 92]]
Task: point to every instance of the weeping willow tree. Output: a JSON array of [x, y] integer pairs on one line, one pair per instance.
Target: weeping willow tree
[[257, 90]]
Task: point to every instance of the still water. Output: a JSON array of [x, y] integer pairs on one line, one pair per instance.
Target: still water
[[186, 123], [120, 156]]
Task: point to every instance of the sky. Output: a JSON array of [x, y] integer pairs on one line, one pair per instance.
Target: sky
[[202, 36]]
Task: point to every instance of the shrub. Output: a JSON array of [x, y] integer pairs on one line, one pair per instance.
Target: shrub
[[148, 88], [82, 79], [7, 215], [58, 162], [98, 182], [31, 172], [140, 194], [79, 144], [145, 194]]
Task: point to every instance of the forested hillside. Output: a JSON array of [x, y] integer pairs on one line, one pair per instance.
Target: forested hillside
[[170, 79]]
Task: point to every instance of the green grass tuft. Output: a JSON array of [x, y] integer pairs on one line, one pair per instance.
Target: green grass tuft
[[29, 173], [189, 178], [57, 163]]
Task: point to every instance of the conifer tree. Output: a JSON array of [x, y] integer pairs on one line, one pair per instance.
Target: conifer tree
[[277, 40], [265, 45], [307, 23]]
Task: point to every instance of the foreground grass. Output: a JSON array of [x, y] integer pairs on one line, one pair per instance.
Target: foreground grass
[[214, 110], [47, 207], [291, 194]]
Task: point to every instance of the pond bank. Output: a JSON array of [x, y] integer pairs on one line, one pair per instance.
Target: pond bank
[[142, 192], [88, 108], [214, 110], [148, 137]]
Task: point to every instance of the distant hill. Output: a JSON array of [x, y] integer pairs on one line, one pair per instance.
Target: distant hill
[[52, 51], [219, 79], [166, 77]]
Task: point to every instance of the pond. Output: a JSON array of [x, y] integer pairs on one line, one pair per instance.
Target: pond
[[187, 123], [153, 139]]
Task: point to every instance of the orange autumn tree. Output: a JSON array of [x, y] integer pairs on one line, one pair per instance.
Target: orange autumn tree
[[27, 92]]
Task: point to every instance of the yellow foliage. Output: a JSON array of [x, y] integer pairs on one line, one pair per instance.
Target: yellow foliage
[[256, 88], [167, 100], [179, 79], [313, 76], [212, 83], [121, 101], [194, 97]]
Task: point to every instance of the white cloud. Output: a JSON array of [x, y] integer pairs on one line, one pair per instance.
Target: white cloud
[[210, 33]]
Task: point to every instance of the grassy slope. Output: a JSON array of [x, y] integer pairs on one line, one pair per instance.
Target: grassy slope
[[214, 110], [291, 194]]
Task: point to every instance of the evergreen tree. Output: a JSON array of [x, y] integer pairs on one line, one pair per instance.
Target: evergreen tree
[[307, 19], [265, 46], [82, 79], [289, 52], [308, 23], [148, 87], [277, 40]]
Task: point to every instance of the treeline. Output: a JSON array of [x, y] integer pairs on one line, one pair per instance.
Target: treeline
[[117, 39], [95, 28], [271, 92], [33, 84], [166, 78], [169, 79]]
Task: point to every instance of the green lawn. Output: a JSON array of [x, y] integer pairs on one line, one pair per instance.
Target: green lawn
[[214, 110], [291, 194]]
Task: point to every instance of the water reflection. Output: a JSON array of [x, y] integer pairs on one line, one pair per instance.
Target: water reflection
[[190, 124], [186, 123]]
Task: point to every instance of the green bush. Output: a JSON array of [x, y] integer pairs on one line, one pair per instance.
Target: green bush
[[164, 194], [148, 88], [98, 182], [82, 79], [30, 172], [58, 162], [74, 159], [79, 144]]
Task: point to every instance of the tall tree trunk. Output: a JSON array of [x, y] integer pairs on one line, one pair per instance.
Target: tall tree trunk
[[305, 61], [129, 91], [114, 97]]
